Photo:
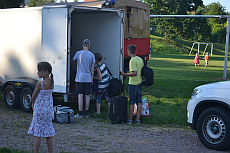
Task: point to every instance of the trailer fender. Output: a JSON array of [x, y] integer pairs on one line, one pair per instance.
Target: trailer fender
[[20, 83]]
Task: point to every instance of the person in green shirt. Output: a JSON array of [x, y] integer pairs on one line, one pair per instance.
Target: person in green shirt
[[135, 83]]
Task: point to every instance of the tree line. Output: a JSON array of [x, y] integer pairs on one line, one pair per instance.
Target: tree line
[[18, 3], [197, 29]]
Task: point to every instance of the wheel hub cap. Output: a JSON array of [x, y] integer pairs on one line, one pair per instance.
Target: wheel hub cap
[[10, 98], [27, 100], [214, 129]]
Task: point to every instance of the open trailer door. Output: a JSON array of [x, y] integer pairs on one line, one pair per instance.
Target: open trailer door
[[54, 44]]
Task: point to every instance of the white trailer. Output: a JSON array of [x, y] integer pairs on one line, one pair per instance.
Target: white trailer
[[54, 34]]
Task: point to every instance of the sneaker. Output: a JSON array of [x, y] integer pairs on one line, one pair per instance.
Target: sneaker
[[129, 121], [87, 116], [78, 116], [138, 121]]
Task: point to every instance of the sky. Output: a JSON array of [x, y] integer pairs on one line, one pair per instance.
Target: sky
[[206, 2]]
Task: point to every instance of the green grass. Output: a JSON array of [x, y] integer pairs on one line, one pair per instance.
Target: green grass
[[176, 77], [6, 150], [174, 80]]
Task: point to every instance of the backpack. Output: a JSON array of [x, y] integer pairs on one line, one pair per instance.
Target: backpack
[[116, 87], [63, 114], [147, 76]]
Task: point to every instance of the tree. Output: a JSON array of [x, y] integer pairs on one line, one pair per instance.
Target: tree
[[215, 9], [174, 27], [10, 3], [2, 4], [32, 3], [218, 26], [63, 1]]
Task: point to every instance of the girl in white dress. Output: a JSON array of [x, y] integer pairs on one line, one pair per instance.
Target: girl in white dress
[[42, 105]]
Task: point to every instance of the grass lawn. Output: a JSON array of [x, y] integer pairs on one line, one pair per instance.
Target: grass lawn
[[174, 80], [6, 150], [176, 77]]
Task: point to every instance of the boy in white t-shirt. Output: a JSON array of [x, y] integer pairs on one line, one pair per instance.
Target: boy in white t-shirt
[[84, 77]]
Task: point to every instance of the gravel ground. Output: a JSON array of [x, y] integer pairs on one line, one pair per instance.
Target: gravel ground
[[91, 135]]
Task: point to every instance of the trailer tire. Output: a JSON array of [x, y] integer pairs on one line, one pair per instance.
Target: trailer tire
[[12, 97], [26, 99]]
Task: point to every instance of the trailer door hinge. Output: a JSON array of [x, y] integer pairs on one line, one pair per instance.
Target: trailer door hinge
[[122, 20], [68, 50]]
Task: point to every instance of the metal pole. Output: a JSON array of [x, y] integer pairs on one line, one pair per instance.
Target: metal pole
[[211, 49], [189, 16], [205, 48], [226, 50], [191, 49]]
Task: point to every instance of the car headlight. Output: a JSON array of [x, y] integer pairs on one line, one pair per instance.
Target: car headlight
[[194, 93]]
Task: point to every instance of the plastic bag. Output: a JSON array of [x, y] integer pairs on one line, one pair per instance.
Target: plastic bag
[[145, 108]]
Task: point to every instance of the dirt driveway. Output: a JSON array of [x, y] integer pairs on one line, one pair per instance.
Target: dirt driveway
[[92, 135]]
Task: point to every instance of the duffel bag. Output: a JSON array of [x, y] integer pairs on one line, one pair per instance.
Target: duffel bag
[[63, 114]]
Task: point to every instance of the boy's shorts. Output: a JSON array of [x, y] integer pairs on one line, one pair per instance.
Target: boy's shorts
[[135, 94], [83, 87], [102, 95], [206, 62]]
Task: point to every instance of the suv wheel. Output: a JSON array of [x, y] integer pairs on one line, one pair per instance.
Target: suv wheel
[[213, 128]]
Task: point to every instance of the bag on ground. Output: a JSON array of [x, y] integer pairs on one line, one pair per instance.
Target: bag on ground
[[147, 76], [63, 114], [145, 108]]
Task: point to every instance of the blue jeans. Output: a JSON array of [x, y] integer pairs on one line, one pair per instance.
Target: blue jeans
[[135, 94]]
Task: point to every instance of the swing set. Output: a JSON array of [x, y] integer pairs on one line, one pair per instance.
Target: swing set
[[207, 16], [199, 47]]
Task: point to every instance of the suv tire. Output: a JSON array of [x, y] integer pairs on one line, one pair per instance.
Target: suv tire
[[213, 128]]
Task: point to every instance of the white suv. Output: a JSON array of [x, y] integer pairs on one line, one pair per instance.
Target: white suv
[[208, 113]]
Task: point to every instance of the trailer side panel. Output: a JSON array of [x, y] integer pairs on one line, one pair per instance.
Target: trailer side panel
[[20, 43]]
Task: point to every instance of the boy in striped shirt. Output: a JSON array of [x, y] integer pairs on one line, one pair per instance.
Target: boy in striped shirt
[[103, 82]]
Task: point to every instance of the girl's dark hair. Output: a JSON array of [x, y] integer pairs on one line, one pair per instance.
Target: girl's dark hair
[[43, 66], [98, 56]]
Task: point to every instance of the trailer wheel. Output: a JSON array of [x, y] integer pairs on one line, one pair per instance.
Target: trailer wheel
[[26, 99], [11, 97]]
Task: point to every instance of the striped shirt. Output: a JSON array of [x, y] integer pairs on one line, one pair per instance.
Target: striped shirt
[[104, 83]]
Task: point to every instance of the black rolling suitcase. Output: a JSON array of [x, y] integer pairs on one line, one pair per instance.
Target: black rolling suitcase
[[118, 109]]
